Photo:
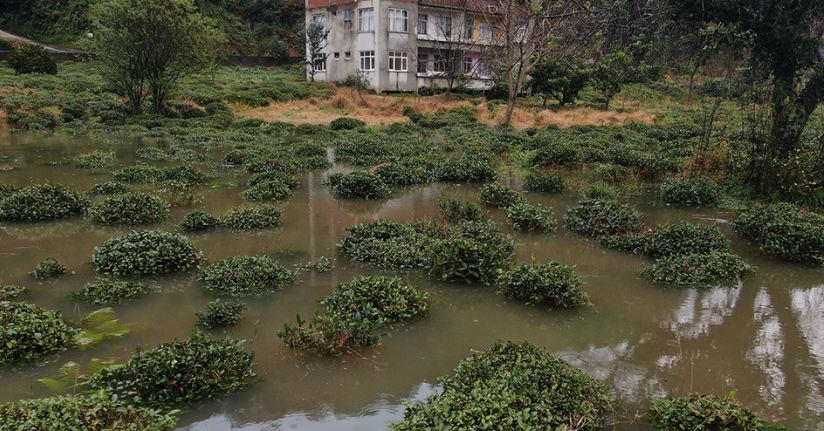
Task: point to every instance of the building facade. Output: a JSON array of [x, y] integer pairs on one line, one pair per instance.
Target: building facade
[[404, 45]]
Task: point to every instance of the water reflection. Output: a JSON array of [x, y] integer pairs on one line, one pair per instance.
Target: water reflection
[[702, 310], [808, 306], [767, 350]]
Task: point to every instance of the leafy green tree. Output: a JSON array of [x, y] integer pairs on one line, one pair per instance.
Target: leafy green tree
[[144, 47], [561, 80], [783, 41], [316, 33], [616, 70]]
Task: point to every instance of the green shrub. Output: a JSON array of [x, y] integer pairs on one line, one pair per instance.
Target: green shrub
[[89, 413], [321, 264], [50, 268], [140, 174], [236, 157], [390, 244], [456, 210], [263, 177], [465, 260], [97, 159], [246, 275], [185, 174], [9, 292], [499, 196], [310, 149], [705, 412], [513, 383], [528, 217], [358, 185], [145, 253], [73, 112], [596, 217], [601, 192], [404, 173], [29, 332], [6, 190], [550, 284], [682, 239], [612, 174], [690, 192], [379, 299], [314, 163], [701, 270], [40, 120], [129, 208], [179, 372], [556, 154], [247, 218], [346, 123], [218, 108], [283, 166], [42, 202], [219, 314], [331, 335], [108, 291], [31, 58], [784, 230], [546, 183], [267, 191], [197, 221], [466, 170], [109, 188]]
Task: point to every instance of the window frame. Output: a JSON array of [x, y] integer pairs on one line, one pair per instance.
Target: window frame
[[398, 56], [469, 28], [319, 62], [398, 20], [366, 20], [367, 57], [348, 15], [443, 26], [423, 60], [487, 33], [468, 64], [422, 19]]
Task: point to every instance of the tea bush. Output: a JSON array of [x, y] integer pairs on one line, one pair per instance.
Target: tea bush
[[456, 210], [513, 383], [267, 191], [29, 332], [219, 314], [96, 412], [378, 299], [108, 188], [406, 172], [465, 260], [108, 291], [601, 192], [42, 202], [706, 412], [529, 217], [97, 159], [264, 177], [197, 221], [31, 58], [682, 239], [129, 208], [186, 174], [596, 217], [6, 190], [50, 268], [700, 270], [358, 185], [247, 218], [466, 170], [246, 275], [145, 253], [178, 372], [784, 230], [283, 166], [555, 154], [346, 123], [309, 149], [546, 183], [9, 292], [691, 192], [140, 174], [390, 244], [551, 284], [499, 196], [321, 264], [331, 335]]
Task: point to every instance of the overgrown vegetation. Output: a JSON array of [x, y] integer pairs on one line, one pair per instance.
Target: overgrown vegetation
[[784, 230], [50, 268], [248, 218], [551, 284], [129, 208], [698, 270], [30, 333], [386, 300], [690, 192], [109, 291], [246, 275], [198, 221], [145, 253], [42, 202], [219, 314], [598, 217], [706, 412]]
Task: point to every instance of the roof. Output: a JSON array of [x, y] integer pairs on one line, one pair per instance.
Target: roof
[[476, 5]]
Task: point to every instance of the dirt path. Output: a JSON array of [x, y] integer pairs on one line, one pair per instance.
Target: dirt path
[[50, 48]]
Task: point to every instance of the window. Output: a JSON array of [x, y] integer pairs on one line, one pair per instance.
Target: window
[[320, 62], [467, 64], [484, 70], [367, 60], [443, 26], [320, 18], [397, 61], [366, 19], [469, 29], [440, 63], [422, 17], [398, 20], [337, 56], [422, 60], [487, 33], [347, 15], [347, 55]]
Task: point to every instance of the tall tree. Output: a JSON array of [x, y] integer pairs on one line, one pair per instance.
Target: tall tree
[[783, 41], [316, 34], [144, 47]]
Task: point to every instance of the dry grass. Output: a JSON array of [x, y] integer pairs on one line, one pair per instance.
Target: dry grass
[[377, 109]]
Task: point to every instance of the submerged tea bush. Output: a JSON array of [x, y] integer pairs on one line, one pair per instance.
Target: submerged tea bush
[[246, 218], [597, 218], [140, 174], [281, 177], [145, 253], [513, 383], [407, 172], [529, 217], [9, 292], [465, 260], [546, 183], [466, 170], [346, 123], [682, 239], [42, 202], [50, 268], [358, 185], [108, 188], [246, 275], [95, 160], [129, 208], [379, 299], [179, 372], [331, 335], [456, 210], [691, 192], [551, 284], [706, 412], [390, 244], [266, 191], [95, 412], [220, 314], [784, 230], [29, 332], [700, 270], [108, 291], [499, 196], [197, 221]]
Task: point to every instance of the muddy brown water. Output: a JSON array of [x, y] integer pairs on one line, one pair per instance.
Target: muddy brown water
[[762, 338]]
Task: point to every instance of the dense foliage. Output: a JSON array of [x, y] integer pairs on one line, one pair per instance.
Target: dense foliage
[[358, 185], [691, 192], [512, 384], [129, 208], [379, 299], [42, 202], [179, 372], [197, 221], [346, 123], [530, 217], [598, 217], [267, 191], [699, 270], [247, 218], [784, 230], [11, 291], [499, 196], [50, 268], [28, 332], [145, 253], [110, 291], [108, 188], [551, 284], [31, 58], [706, 412], [546, 183], [330, 334], [220, 314], [458, 210], [97, 159], [246, 275], [682, 239]]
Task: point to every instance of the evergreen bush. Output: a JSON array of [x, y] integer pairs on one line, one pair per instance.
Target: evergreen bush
[[50, 268], [346, 123], [691, 192], [197, 221], [129, 208], [546, 183], [528, 217], [246, 275], [597, 217], [699, 270], [248, 218], [379, 299], [551, 284], [219, 314], [706, 412], [145, 253], [28, 332], [109, 291], [358, 185], [31, 58], [42, 202]]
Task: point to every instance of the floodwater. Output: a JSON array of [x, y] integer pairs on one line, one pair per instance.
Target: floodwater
[[763, 338]]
